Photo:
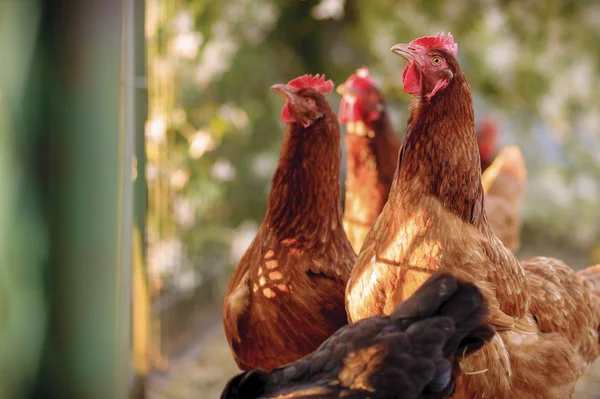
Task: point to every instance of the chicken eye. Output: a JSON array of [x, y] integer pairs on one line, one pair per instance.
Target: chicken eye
[[436, 60], [307, 100]]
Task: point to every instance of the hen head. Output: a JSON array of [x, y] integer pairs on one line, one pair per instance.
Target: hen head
[[431, 64], [361, 100], [304, 100]]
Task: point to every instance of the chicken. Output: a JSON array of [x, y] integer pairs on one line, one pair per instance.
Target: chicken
[[503, 177], [504, 188], [372, 147], [410, 354], [286, 295], [487, 141], [547, 316]]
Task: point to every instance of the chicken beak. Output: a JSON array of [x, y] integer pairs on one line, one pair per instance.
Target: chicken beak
[[403, 51], [282, 90], [342, 89]]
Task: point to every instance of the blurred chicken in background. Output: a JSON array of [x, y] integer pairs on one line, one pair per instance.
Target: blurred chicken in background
[[286, 295], [504, 187], [487, 141], [372, 146], [503, 177]]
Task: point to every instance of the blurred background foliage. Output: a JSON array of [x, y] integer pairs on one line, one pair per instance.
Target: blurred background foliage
[[212, 141], [22, 240], [214, 131]]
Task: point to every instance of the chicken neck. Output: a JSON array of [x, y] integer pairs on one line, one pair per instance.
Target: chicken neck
[[304, 203], [439, 155], [367, 181]]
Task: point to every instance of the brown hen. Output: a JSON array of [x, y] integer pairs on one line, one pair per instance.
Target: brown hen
[[487, 142], [408, 355], [547, 315], [286, 295], [372, 149], [504, 188]]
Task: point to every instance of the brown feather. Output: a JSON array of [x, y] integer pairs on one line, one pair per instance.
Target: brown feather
[[286, 295], [372, 149], [435, 219], [411, 354]]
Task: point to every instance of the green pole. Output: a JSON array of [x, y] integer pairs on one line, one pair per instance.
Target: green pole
[[23, 244], [84, 138]]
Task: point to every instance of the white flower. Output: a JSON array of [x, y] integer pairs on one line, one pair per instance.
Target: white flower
[[183, 21], [179, 178], [501, 55], [223, 170], [216, 58], [327, 9], [264, 165], [495, 19], [234, 115], [201, 143], [266, 15], [186, 280], [185, 45], [165, 257], [156, 130], [184, 212]]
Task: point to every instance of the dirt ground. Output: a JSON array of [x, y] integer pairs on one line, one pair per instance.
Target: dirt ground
[[206, 376], [204, 370]]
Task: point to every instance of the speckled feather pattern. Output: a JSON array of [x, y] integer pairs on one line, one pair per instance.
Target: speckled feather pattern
[[372, 149], [408, 355], [435, 219], [286, 295]]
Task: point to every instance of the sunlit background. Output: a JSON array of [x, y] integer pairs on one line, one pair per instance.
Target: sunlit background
[[207, 147]]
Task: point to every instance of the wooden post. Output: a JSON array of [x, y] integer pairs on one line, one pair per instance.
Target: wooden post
[[139, 106]]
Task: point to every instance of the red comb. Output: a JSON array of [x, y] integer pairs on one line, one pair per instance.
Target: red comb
[[361, 78], [363, 73], [489, 126], [317, 83], [438, 41]]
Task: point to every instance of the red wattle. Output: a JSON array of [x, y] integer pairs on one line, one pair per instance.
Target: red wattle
[[440, 85], [286, 114], [412, 79], [373, 115], [485, 150]]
